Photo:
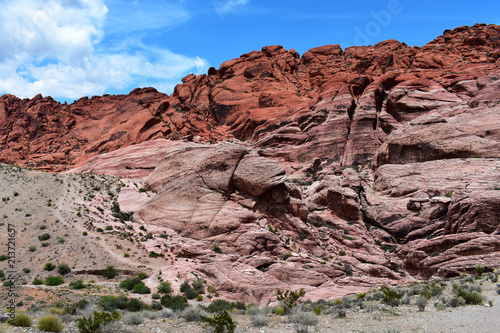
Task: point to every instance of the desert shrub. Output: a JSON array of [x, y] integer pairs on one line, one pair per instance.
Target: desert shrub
[[498, 291], [21, 319], [303, 318], [457, 301], [317, 311], [360, 295], [63, 269], [175, 302], [109, 272], [37, 282], [53, 281], [470, 293], [93, 323], [166, 313], [199, 286], [165, 287], [341, 313], [259, 320], [78, 284], [390, 296], [220, 323], [156, 306], [141, 288], [192, 314], [280, 311], [129, 283], [221, 305], [188, 290], [4, 257], [155, 296], [440, 306], [133, 319], [429, 290], [135, 305], [26, 270], [216, 248], [32, 248], [406, 300], [421, 303], [110, 303], [150, 314], [44, 237], [50, 323], [49, 266], [290, 298]]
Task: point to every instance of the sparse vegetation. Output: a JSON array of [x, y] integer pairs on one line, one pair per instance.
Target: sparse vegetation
[[21, 319], [50, 323], [220, 323], [53, 281], [290, 298]]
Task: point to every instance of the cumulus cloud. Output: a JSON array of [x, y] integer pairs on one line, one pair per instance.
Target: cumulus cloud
[[225, 7], [56, 48]]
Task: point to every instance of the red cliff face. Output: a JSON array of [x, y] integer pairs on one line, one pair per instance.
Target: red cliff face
[[359, 167], [330, 103]]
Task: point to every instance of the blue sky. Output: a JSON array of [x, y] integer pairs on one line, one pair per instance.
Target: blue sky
[[73, 48]]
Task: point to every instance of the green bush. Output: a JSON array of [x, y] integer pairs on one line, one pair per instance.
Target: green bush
[[216, 248], [199, 286], [391, 297], [156, 306], [220, 323], [37, 282], [290, 298], [135, 305], [141, 288], [188, 290], [221, 305], [129, 284], [49, 267], [26, 270], [176, 302], [44, 237], [63, 269], [165, 287], [4, 257], [280, 311], [50, 323], [109, 272], [21, 319], [470, 293], [78, 284], [53, 281], [92, 324]]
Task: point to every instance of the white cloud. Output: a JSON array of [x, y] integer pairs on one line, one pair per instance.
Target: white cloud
[[227, 6], [56, 48]]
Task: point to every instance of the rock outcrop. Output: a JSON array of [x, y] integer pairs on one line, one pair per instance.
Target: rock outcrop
[[358, 167]]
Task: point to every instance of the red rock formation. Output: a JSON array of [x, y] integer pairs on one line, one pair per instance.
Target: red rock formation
[[329, 103], [418, 127]]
